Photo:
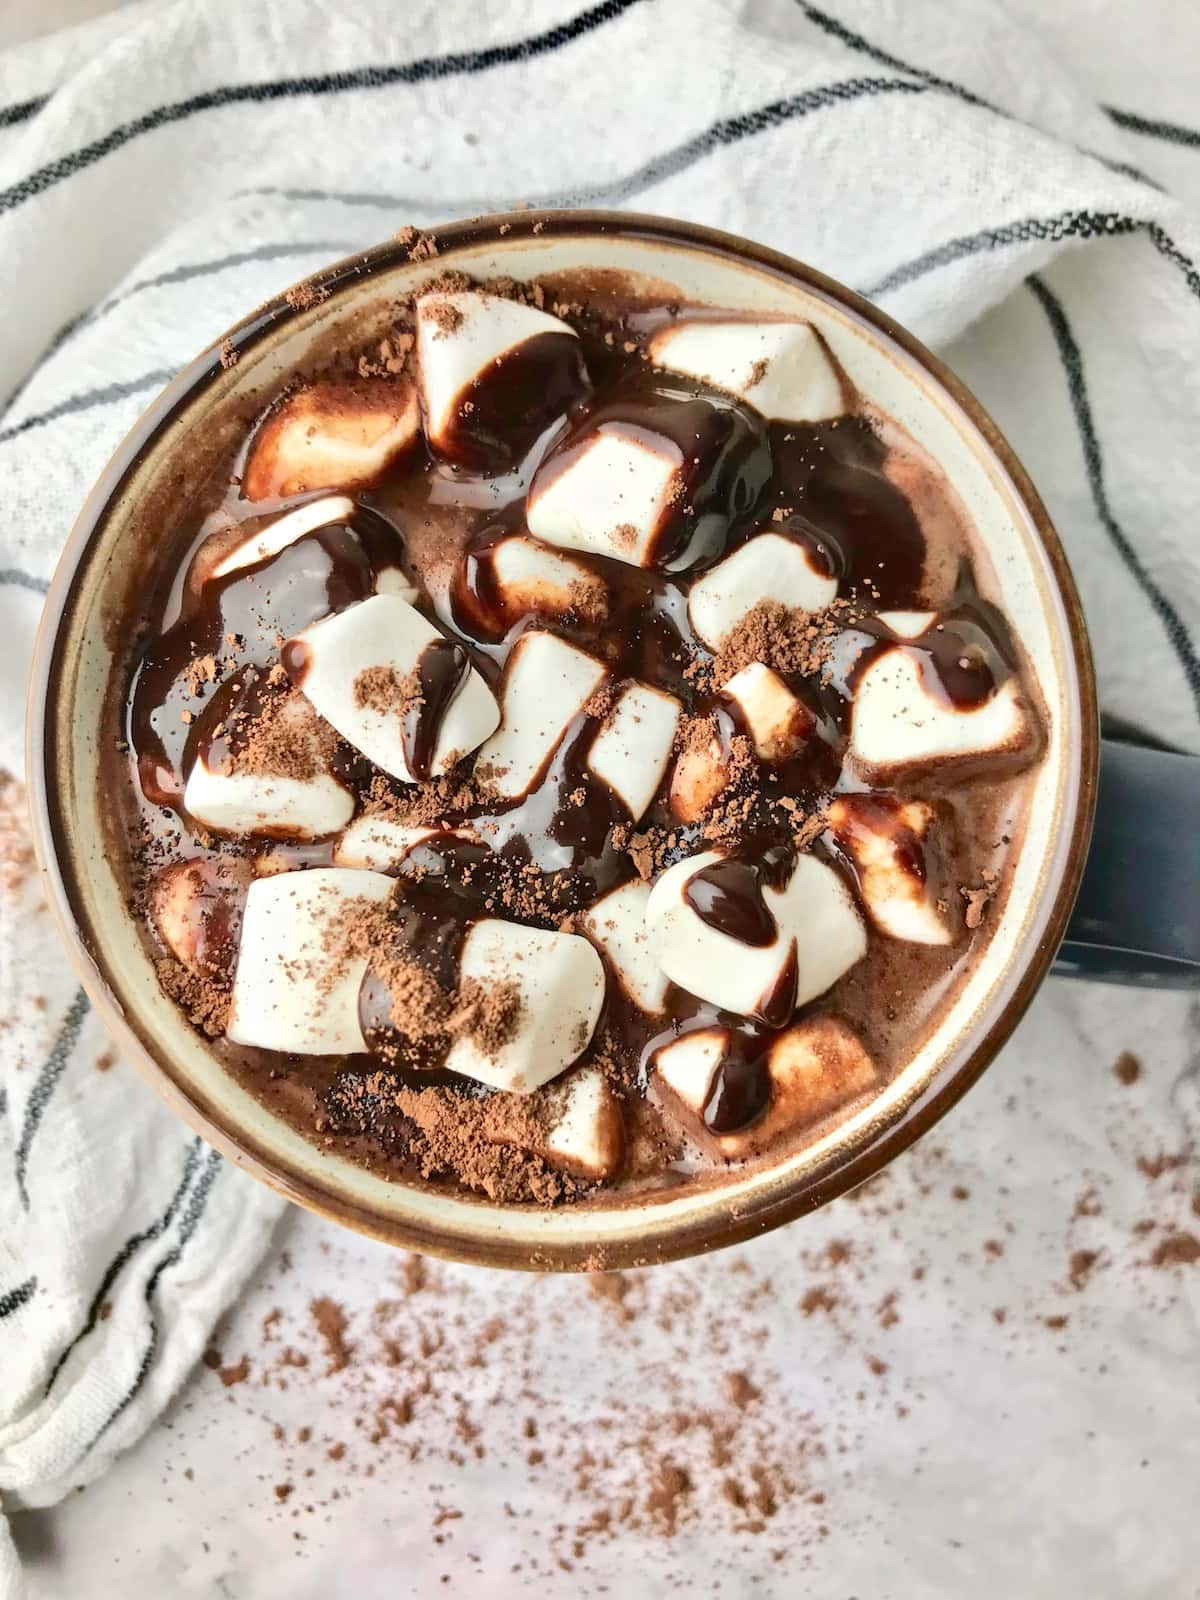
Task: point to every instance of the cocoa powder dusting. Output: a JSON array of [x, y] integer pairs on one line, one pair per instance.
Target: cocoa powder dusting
[[1176, 1250], [17, 862], [287, 739], [330, 1321], [788, 641], [1127, 1069], [203, 998]]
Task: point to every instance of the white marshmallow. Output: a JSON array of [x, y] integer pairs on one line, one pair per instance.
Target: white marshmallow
[[778, 723], [332, 435], [815, 1067], [767, 567], [547, 682], [617, 923], [283, 531], [610, 499], [382, 845], [780, 368], [253, 802], [393, 580], [699, 776], [386, 632], [908, 624], [583, 1129], [705, 962], [587, 1134], [630, 751], [294, 989], [531, 577], [460, 338], [230, 801], [895, 722], [196, 906], [814, 909], [878, 834], [561, 984], [687, 1065]]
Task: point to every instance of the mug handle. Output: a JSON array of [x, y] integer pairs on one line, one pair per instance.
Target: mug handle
[[1137, 918]]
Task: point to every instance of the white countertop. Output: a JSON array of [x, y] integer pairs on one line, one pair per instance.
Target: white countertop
[[963, 1440]]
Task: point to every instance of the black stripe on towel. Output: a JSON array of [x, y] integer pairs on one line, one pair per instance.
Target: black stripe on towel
[[48, 1077], [1067, 225], [1072, 360], [187, 1227], [14, 578], [668, 164], [13, 1299], [1172, 132], [21, 110], [180, 274], [377, 77], [87, 400], [134, 1243], [856, 41]]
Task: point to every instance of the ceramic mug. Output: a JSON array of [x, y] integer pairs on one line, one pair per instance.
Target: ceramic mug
[[108, 561]]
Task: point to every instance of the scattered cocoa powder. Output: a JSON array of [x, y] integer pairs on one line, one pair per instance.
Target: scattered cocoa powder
[[286, 739], [303, 296], [1153, 1167], [201, 671], [238, 1373], [1178, 1249], [488, 1144], [1081, 1266], [446, 318], [670, 1485], [740, 1390], [1127, 1068], [17, 862], [613, 1288], [331, 1324], [818, 1298]]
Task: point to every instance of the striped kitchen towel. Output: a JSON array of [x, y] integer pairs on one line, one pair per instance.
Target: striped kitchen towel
[[169, 166]]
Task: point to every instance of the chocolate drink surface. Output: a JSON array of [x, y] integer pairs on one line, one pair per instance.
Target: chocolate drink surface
[[573, 751]]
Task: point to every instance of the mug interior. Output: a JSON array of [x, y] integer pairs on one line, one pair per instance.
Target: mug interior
[[95, 592]]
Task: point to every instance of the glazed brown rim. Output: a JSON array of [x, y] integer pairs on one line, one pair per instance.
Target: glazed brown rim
[[686, 1235]]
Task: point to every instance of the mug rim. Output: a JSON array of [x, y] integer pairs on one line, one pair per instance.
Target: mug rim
[[668, 1239]]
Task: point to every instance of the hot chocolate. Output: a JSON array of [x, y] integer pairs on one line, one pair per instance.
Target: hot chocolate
[[574, 748]]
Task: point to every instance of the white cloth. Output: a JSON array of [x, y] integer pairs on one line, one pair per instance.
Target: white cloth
[[194, 157]]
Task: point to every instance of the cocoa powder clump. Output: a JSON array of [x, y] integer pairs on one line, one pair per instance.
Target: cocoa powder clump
[[489, 1144], [286, 739], [331, 1323], [383, 690], [787, 640], [203, 998]]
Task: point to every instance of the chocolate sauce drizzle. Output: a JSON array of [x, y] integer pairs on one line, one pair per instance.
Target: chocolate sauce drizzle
[[719, 448], [727, 895], [239, 621], [740, 1092], [442, 670], [498, 416]]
